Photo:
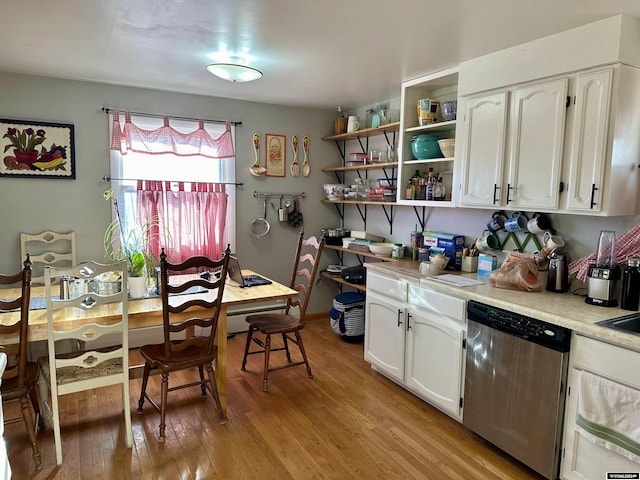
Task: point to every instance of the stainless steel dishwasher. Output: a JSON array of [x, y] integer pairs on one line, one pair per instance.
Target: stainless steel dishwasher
[[516, 372]]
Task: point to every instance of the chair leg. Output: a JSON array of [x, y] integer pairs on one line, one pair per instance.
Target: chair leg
[[214, 393], [39, 420], [163, 403], [202, 383], [27, 416], [143, 390], [304, 354], [286, 347], [246, 348], [267, 351]]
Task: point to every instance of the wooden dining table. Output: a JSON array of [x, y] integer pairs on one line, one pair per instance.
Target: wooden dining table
[[147, 312]]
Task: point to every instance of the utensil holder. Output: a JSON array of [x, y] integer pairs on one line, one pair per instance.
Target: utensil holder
[[469, 264]]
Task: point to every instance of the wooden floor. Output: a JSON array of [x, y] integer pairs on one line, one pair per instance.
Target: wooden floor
[[349, 422]]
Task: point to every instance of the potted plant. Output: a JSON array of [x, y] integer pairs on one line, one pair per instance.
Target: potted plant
[[132, 243]]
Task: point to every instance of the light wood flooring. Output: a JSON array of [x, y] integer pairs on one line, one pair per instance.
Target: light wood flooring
[[349, 422]]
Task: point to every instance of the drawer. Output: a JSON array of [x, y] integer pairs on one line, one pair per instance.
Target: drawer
[[388, 286], [453, 307]]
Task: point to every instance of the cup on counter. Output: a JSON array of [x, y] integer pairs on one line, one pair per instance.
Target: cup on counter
[[516, 222], [487, 242], [497, 222], [353, 124], [429, 269], [538, 223]]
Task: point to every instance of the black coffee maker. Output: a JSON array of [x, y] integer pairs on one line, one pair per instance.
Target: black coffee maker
[[558, 278]]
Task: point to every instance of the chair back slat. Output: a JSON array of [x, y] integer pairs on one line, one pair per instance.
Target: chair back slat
[[305, 269], [48, 249], [176, 280]]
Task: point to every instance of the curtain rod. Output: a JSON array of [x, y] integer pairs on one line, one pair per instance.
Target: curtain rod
[[155, 115], [108, 179]]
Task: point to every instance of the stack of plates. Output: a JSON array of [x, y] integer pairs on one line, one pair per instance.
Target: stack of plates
[[335, 268]]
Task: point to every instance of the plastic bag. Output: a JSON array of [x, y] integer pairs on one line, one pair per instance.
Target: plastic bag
[[517, 274]]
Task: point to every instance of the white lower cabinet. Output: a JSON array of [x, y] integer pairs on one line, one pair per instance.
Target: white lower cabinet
[[583, 459], [416, 339]]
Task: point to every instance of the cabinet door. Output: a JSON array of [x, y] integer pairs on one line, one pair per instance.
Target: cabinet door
[[484, 127], [434, 360], [384, 335], [589, 141], [536, 137]]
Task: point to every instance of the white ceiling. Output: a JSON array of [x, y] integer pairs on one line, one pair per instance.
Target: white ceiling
[[314, 53]]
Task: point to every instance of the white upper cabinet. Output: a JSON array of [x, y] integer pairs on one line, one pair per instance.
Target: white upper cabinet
[[589, 141], [526, 173], [484, 124], [536, 137]]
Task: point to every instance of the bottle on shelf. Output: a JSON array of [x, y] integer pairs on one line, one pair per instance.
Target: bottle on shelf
[[439, 190], [430, 185]]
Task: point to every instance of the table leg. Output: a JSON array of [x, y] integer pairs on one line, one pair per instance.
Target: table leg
[[221, 361]]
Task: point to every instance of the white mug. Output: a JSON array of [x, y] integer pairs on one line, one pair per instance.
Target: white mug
[[430, 269], [551, 243], [353, 124]]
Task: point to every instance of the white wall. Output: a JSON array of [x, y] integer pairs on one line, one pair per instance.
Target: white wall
[[33, 205]]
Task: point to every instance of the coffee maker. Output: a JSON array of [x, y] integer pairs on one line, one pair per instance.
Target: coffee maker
[[603, 276]]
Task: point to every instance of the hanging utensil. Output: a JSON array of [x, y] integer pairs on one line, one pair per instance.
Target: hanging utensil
[[256, 169], [295, 167], [295, 217], [259, 227], [306, 168]]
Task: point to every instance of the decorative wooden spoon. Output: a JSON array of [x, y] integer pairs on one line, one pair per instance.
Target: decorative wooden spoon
[[306, 168], [295, 167], [256, 169]]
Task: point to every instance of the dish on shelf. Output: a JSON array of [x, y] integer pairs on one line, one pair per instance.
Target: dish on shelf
[[382, 249], [335, 268], [447, 146], [334, 191]]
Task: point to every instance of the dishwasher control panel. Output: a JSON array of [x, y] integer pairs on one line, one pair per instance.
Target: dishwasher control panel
[[538, 331]]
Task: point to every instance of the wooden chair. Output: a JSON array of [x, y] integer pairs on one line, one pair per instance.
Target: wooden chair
[[48, 248], [21, 376], [89, 368], [285, 324], [195, 349]]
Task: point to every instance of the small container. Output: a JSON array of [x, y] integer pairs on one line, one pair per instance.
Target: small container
[[397, 251], [469, 264], [631, 285], [64, 287], [423, 254]]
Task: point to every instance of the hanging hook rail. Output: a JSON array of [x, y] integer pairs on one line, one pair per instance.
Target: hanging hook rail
[[281, 195]]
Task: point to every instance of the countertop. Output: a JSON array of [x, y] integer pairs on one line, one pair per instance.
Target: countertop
[[565, 309]]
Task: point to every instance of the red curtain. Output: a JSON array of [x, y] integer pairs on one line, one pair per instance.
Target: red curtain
[[166, 139], [193, 217]]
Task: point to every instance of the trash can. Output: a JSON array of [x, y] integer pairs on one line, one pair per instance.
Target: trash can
[[347, 316]]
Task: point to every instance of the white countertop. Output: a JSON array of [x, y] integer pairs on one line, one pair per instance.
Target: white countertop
[[565, 309]]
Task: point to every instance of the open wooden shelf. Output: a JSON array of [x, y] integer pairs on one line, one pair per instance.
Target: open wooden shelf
[[365, 132]]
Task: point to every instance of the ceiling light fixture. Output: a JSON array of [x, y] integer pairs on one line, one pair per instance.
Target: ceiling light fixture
[[234, 72]]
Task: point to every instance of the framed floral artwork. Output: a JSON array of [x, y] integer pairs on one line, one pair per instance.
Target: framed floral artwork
[[37, 149], [275, 155]]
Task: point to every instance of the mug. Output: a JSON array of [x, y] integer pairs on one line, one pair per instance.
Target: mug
[[516, 222], [551, 243], [429, 269], [497, 222], [353, 124], [487, 242], [538, 223]]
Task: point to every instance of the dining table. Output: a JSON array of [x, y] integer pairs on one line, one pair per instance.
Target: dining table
[[147, 312]]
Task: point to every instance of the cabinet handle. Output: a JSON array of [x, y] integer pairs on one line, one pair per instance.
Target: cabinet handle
[[408, 322], [509, 188], [399, 317], [495, 192], [593, 195]]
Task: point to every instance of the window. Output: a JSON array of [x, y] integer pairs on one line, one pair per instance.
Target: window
[[171, 180]]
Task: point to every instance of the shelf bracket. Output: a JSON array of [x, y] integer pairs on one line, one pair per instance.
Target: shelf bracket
[[362, 210], [421, 218], [342, 150]]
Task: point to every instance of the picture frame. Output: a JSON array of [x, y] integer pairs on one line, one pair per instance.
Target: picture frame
[[37, 149], [275, 155]]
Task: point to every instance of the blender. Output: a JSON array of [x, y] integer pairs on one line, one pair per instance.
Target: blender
[[603, 276]]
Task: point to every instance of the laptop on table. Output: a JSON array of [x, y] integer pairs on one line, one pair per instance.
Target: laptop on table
[[235, 273]]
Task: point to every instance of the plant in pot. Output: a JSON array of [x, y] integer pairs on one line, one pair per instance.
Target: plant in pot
[[132, 243]]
